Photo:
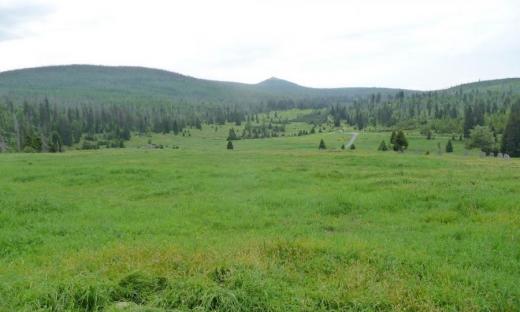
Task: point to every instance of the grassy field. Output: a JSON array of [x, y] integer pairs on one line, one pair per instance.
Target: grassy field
[[274, 225]]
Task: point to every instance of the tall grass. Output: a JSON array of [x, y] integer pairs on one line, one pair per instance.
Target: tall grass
[[274, 225]]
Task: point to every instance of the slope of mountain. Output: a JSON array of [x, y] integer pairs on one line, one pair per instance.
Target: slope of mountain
[[137, 85], [75, 84], [507, 84], [274, 84], [99, 84]]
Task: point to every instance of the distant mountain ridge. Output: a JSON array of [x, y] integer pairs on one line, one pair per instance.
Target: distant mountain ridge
[[278, 83], [497, 84], [140, 85]]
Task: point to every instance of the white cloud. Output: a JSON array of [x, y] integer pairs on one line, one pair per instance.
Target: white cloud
[[403, 43]]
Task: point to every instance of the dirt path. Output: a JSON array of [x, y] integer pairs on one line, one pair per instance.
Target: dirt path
[[352, 139]]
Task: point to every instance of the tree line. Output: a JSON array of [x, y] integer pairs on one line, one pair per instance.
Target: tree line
[[47, 127], [440, 111], [488, 119]]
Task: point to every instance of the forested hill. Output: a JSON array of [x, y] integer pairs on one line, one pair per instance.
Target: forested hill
[[42, 109], [510, 85], [84, 84]]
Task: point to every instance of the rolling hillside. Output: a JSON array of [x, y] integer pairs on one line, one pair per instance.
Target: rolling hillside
[[136, 85], [73, 84], [507, 84]]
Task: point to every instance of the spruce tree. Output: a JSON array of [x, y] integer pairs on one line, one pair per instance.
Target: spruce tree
[[56, 143], [229, 145], [232, 135], [392, 137], [382, 146], [401, 143], [449, 147], [3, 145], [322, 145], [511, 137], [468, 121]]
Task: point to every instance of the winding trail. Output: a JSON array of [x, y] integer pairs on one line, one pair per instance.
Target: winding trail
[[352, 139]]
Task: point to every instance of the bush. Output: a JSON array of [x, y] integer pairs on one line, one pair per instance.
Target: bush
[[89, 145], [29, 149], [482, 138]]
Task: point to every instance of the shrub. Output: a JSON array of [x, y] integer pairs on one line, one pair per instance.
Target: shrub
[[482, 138], [89, 145]]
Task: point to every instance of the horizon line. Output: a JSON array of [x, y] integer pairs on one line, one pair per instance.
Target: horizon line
[[252, 84]]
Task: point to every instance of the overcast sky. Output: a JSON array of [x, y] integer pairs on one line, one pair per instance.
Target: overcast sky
[[411, 44]]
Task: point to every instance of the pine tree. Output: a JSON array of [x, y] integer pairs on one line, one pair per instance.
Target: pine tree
[[125, 134], [3, 145], [56, 143], [392, 137], [401, 143], [232, 135], [511, 137], [352, 147], [468, 121], [382, 146], [230, 145], [322, 145], [449, 147]]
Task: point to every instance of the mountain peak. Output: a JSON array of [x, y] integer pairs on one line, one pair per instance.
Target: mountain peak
[[273, 78], [277, 82]]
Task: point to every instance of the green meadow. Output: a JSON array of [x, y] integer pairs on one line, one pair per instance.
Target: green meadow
[[273, 225]]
